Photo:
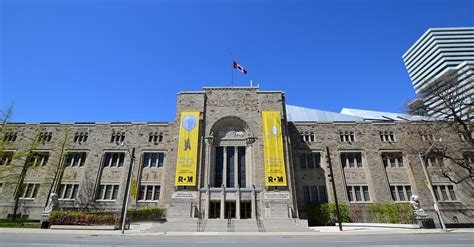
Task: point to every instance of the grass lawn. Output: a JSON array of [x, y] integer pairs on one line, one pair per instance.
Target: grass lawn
[[19, 224]]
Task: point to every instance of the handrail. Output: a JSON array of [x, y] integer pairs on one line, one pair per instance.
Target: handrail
[[229, 221]]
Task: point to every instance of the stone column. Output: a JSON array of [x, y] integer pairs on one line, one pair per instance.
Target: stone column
[[208, 197], [223, 203], [224, 167], [237, 203], [209, 159], [249, 164], [236, 167], [253, 204]]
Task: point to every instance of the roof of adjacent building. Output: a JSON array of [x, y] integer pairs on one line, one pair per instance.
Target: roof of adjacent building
[[380, 115], [303, 114]]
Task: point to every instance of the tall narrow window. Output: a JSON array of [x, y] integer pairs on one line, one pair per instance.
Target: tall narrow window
[[241, 166], [230, 167], [219, 166]]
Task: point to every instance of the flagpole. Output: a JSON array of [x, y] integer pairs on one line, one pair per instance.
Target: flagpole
[[232, 74]]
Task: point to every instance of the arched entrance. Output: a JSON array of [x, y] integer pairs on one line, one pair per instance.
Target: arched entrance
[[229, 170]]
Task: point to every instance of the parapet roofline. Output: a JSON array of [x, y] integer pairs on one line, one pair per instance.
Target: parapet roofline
[[257, 88], [89, 123]]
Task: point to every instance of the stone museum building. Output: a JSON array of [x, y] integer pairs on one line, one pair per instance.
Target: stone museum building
[[233, 152]]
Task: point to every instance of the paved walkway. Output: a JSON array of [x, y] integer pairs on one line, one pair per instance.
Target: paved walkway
[[327, 230]]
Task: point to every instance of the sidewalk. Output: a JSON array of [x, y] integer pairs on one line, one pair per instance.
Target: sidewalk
[[318, 231]]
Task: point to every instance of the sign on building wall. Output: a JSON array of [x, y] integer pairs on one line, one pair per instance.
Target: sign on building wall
[[275, 174], [186, 161]]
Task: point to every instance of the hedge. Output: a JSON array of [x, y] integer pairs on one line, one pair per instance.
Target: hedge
[[84, 218], [102, 218], [391, 213], [325, 213], [145, 214]]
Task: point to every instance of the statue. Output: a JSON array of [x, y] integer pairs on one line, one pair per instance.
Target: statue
[[423, 220], [415, 202], [53, 204]]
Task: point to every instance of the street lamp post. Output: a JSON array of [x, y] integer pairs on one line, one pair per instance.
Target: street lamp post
[[126, 197], [430, 187], [331, 176]]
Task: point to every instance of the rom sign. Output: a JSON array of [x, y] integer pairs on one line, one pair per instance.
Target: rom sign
[[276, 196]]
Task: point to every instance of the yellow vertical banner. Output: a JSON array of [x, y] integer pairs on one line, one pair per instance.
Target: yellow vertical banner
[[275, 174], [186, 162]]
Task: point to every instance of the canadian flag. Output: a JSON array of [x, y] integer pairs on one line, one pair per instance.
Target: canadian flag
[[240, 68]]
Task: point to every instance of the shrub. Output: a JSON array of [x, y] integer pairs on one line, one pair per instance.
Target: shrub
[[84, 218], [102, 218], [357, 213], [145, 214], [325, 213], [391, 213]]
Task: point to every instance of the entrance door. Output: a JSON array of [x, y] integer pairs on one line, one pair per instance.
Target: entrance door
[[245, 210], [215, 210], [229, 210]]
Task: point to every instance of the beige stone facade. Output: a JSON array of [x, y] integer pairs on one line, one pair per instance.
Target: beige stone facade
[[230, 131]]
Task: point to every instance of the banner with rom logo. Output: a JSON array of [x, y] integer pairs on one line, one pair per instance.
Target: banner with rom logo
[[186, 161], [275, 174]]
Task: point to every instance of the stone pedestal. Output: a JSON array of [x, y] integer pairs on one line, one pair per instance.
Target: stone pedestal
[[276, 204], [182, 204]]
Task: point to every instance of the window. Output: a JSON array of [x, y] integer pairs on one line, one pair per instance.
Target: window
[[153, 159], [392, 160], [117, 137], [315, 194], [307, 137], [351, 160], [426, 137], [155, 137], [435, 160], [6, 158], [107, 192], [149, 193], [114, 159], [44, 137], [401, 193], [68, 191], [309, 160], [347, 136], [30, 191], [387, 136], [37, 159], [75, 159], [444, 192], [358, 193], [80, 137], [10, 137]]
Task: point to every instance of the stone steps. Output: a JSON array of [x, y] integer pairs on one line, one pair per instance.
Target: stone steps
[[219, 225]]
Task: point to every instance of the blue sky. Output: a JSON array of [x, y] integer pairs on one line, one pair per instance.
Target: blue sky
[[110, 60]]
